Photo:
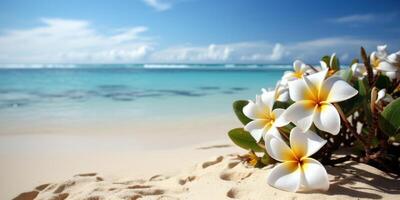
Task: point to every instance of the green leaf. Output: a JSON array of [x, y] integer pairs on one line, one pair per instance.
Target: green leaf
[[389, 120], [238, 109], [281, 104], [244, 140], [335, 63], [351, 105], [327, 60], [363, 88], [346, 75], [266, 159]]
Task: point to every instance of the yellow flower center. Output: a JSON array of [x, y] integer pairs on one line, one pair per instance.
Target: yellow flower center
[[298, 74], [375, 62], [270, 120]]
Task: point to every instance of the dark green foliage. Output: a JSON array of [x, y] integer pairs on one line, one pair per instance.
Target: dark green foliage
[[238, 109], [389, 120], [243, 139]]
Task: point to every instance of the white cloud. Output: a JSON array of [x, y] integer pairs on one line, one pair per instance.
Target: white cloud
[[67, 41], [76, 41], [264, 52], [158, 4], [355, 18], [276, 55], [208, 53], [364, 18]]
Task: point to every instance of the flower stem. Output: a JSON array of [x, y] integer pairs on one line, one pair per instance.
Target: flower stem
[[284, 134], [351, 128], [313, 68]]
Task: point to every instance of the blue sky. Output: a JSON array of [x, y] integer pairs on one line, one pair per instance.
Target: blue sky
[[192, 31]]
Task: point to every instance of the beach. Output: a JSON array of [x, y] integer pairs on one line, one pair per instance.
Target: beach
[[109, 168], [117, 134]]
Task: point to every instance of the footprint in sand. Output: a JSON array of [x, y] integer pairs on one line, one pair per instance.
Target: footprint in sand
[[187, 179], [139, 186], [62, 187], [234, 175], [233, 164], [27, 195], [146, 190], [213, 162], [236, 193], [158, 177], [42, 187]]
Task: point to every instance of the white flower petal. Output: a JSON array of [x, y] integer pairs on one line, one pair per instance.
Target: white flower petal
[[256, 128], [304, 68], [381, 94], [393, 75], [386, 66], [305, 143], [337, 90], [314, 81], [297, 65], [254, 111], [277, 148], [268, 99], [331, 60], [394, 57], [359, 70], [327, 119], [301, 113], [273, 131], [283, 95], [381, 53], [280, 119], [288, 76], [298, 90], [285, 176], [314, 176], [372, 58], [324, 66]]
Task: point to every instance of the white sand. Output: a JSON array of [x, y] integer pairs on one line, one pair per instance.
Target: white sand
[[124, 149], [165, 161], [222, 177]]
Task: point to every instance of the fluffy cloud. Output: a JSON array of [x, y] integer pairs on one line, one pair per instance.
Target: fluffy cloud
[[264, 52], [64, 41], [76, 41], [210, 53], [158, 5]]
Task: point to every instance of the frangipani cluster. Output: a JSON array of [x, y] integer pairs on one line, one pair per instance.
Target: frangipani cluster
[[313, 102]]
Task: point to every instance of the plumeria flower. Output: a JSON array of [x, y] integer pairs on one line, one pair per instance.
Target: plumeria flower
[[281, 92], [313, 96], [265, 120], [381, 61], [359, 70], [297, 170], [324, 66], [300, 69]]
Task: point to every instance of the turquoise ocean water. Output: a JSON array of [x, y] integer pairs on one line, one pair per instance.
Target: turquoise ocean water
[[80, 92]]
